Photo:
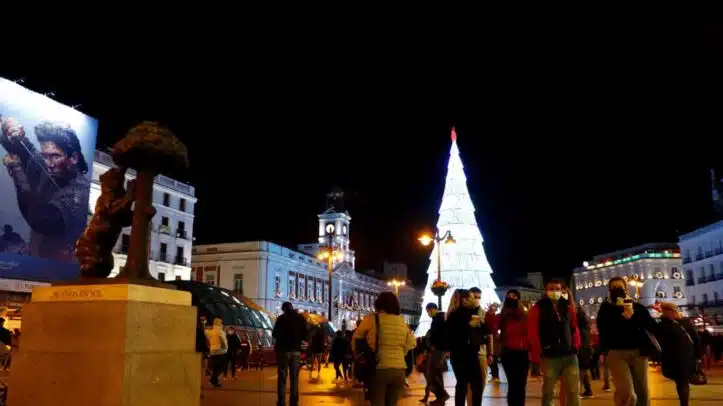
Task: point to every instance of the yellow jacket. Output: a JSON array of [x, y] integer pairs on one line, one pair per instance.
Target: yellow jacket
[[396, 339]]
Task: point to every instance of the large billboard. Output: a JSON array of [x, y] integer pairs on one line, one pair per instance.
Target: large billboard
[[47, 154]]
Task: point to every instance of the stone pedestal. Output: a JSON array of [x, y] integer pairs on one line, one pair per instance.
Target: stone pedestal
[[107, 345]]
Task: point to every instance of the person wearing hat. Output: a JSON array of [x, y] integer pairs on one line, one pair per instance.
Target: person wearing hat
[[681, 349]]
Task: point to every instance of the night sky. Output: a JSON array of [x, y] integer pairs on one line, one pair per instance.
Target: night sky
[[575, 143]]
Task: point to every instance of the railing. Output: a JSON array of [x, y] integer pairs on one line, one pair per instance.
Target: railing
[[689, 282], [105, 159], [164, 229], [181, 234], [687, 260], [180, 261], [698, 257]]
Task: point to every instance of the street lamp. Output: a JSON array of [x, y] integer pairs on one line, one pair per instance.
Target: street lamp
[[328, 253], [396, 285], [426, 239], [637, 283]]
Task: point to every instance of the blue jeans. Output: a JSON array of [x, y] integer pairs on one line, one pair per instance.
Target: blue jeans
[[554, 368], [287, 364]]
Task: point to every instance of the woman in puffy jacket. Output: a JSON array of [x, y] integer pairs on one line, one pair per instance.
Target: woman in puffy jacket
[[515, 351]]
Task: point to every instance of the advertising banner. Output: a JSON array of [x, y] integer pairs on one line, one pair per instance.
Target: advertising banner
[[47, 155]]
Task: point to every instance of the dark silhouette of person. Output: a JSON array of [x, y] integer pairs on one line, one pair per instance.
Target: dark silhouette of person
[[11, 241]]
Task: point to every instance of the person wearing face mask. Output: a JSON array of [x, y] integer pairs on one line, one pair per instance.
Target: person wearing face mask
[[680, 349], [554, 340], [466, 332], [623, 327], [515, 351]]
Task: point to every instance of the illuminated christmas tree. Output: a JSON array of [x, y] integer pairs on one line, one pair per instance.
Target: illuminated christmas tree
[[464, 263]]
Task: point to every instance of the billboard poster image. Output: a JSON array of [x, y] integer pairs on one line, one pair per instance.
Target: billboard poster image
[[46, 150]]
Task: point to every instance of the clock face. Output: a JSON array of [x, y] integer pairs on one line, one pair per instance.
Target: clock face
[[343, 230], [330, 228]]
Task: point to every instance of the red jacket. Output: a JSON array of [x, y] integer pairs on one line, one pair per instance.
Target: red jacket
[[534, 331], [514, 326], [493, 322]]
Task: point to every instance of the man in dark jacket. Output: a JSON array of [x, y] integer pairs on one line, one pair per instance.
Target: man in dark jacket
[[437, 342], [289, 331], [680, 349], [466, 333], [624, 327], [234, 344], [555, 339]]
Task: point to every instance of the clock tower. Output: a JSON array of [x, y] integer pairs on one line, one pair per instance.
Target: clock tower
[[334, 224]]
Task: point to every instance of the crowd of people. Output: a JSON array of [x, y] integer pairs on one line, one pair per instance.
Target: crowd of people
[[554, 338], [556, 335]]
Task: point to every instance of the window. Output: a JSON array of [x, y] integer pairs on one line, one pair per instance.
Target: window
[[319, 296], [166, 200], [715, 297], [676, 289], [692, 299], [178, 278], [210, 278], [164, 252], [161, 276], [277, 284], [711, 273], [705, 298], [180, 258], [182, 205], [164, 227], [310, 286], [125, 243], [238, 283], [302, 287], [291, 290], [181, 230]]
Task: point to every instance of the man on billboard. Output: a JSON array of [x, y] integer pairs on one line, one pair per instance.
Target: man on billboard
[[51, 185]]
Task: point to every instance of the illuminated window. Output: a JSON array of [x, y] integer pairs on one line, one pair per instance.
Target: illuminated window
[[238, 283]]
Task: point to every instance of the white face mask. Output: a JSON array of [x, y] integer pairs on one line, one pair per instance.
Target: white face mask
[[554, 295], [564, 296]]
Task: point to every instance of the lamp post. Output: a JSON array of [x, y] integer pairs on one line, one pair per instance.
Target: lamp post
[[328, 253], [637, 283], [396, 285], [437, 239]]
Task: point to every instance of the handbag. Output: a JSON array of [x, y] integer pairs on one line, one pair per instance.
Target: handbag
[[367, 360], [698, 377]]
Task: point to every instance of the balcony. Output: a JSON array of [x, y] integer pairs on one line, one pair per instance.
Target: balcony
[[687, 260], [181, 234], [164, 229], [708, 254], [689, 282], [162, 257], [699, 257], [180, 260], [701, 280]]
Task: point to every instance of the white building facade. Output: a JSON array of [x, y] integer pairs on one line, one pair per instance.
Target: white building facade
[[270, 274], [171, 227], [656, 268], [702, 252]]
